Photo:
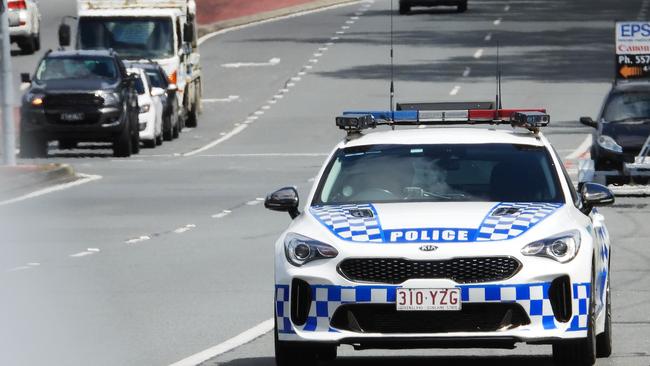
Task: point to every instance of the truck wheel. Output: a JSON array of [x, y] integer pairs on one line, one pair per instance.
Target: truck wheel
[[604, 340], [581, 351], [177, 129], [32, 145], [192, 117], [28, 45], [404, 8], [168, 129], [37, 41], [122, 146], [462, 7]]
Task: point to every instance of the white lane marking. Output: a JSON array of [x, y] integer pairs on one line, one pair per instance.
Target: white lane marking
[[294, 15], [87, 252], [488, 37], [582, 149], [83, 179], [296, 78], [349, 22], [313, 61], [138, 240], [234, 132], [266, 107], [229, 345], [478, 54], [235, 65], [467, 71], [318, 54], [302, 73], [498, 21], [221, 214], [335, 38], [422, 126], [345, 27], [230, 99], [272, 101], [455, 90], [340, 32], [285, 90], [19, 268], [291, 85], [259, 113], [33, 264], [185, 228], [253, 203], [506, 8], [308, 67]]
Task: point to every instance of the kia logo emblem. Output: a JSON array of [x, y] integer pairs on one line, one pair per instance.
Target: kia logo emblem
[[428, 248]]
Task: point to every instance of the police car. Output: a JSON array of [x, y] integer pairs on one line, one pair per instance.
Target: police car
[[443, 237]]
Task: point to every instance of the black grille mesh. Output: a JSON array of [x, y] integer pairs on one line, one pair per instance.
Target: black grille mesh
[[71, 100], [398, 270]]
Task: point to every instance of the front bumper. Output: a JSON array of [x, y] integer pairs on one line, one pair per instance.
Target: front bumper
[[99, 124], [147, 123], [530, 290]]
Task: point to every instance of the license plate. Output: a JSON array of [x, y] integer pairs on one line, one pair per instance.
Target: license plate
[[72, 117], [430, 299]]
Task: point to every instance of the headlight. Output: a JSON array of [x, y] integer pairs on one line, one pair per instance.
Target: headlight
[[608, 143], [35, 99], [301, 249], [111, 98], [145, 108], [562, 248]]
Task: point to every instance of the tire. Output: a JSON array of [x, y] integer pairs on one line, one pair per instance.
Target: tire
[[159, 139], [123, 144], [176, 131], [288, 354], [462, 7], [581, 351], [192, 117], [404, 8], [135, 138], [28, 46], [32, 146], [168, 129], [149, 144], [67, 144], [327, 353], [604, 340], [37, 41]]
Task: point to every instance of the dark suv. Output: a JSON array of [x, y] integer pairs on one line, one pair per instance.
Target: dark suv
[[79, 96], [622, 127]]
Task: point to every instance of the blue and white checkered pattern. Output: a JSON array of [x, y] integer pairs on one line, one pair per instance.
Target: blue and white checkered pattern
[[511, 225], [532, 297], [343, 224]]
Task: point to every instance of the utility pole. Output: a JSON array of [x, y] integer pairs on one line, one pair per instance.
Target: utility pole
[[6, 90]]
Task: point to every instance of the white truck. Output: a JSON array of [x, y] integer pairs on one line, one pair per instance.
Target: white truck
[[163, 31]]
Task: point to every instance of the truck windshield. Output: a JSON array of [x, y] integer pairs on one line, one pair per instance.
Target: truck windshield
[[627, 107], [59, 68], [132, 38], [440, 173]]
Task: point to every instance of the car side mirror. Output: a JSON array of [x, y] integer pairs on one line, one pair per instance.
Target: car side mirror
[[172, 88], [594, 195], [25, 78], [157, 92], [284, 199], [587, 121], [64, 35]]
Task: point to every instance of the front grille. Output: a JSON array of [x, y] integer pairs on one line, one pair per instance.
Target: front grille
[[398, 270], [384, 318], [73, 100]]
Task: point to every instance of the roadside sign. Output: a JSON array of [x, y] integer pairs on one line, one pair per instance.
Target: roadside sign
[[632, 50]]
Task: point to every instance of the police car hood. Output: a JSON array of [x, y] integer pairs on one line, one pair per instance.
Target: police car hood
[[434, 222]]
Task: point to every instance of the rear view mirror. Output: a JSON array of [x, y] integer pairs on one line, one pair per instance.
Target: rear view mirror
[[587, 121], [64, 35], [25, 78], [284, 199], [188, 32], [157, 92], [594, 195]]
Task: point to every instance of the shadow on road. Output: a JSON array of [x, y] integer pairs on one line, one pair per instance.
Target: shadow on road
[[537, 360]]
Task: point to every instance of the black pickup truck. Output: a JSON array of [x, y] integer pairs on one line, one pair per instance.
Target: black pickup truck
[[79, 96]]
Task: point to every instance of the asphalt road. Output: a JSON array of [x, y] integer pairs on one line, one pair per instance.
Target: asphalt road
[[170, 252]]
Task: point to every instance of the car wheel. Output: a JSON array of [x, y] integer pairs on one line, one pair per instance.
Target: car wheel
[[581, 351], [67, 144], [604, 340], [32, 145], [327, 353], [176, 131], [123, 144], [404, 8], [192, 117], [149, 144], [159, 139], [168, 129], [462, 7], [288, 354]]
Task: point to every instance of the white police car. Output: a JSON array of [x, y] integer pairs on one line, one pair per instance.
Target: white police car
[[443, 237]]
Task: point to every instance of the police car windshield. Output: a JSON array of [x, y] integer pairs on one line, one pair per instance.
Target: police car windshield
[[627, 107], [440, 173]]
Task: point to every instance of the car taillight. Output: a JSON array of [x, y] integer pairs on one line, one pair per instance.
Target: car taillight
[[173, 77], [17, 4]]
